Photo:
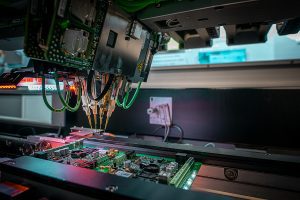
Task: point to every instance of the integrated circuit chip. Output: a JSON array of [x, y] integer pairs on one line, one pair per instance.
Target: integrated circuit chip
[[124, 174]]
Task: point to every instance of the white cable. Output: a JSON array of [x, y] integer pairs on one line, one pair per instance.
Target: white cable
[[210, 145], [167, 131], [165, 134]]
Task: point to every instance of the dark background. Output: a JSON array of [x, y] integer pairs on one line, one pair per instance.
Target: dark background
[[240, 116]]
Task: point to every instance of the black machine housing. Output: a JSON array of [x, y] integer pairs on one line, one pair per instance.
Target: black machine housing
[[126, 47], [71, 35]]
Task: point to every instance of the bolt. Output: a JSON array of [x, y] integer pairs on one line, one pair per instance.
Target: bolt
[[112, 188]]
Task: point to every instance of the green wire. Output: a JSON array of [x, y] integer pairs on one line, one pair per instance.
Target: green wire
[[46, 100], [118, 103], [66, 104], [123, 104], [126, 98], [133, 98]]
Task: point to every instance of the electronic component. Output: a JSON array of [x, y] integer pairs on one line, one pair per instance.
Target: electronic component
[[75, 42], [179, 176], [85, 44], [102, 159], [128, 164], [57, 153], [134, 167], [123, 174], [152, 168], [119, 158], [172, 167], [84, 11], [164, 177], [64, 32], [181, 158], [99, 48]]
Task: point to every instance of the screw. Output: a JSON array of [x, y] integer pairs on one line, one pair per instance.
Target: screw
[[112, 188]]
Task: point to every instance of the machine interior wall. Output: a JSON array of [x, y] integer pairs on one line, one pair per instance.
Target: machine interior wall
[[241, 116]]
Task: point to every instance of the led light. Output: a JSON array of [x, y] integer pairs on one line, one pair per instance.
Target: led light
[[185, 187], [72, 88], [8, 86], [47, 87], [194, 175], [29, 81]]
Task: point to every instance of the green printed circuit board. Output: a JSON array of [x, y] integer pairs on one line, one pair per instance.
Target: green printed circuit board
[[179, 173], [64, 32]]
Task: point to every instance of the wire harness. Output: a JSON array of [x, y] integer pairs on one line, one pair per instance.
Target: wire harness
[[124, 104], [64, 100]]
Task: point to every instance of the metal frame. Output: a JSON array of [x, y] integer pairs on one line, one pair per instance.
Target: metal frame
[[57, 180], [195, 23], [258, 161], [202, 14], [68, 182]]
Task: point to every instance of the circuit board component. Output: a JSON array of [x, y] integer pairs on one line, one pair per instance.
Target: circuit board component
[[93, 47], [64, 32], [178, 178], [127, 164]]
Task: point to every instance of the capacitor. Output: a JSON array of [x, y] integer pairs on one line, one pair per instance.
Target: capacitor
[[153, 168], [169, 169], [62, 152], [127, 163], [65, 151], [57, 153], [96, 154]]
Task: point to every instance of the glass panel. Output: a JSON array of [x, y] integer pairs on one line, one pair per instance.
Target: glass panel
[[276, 48]]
